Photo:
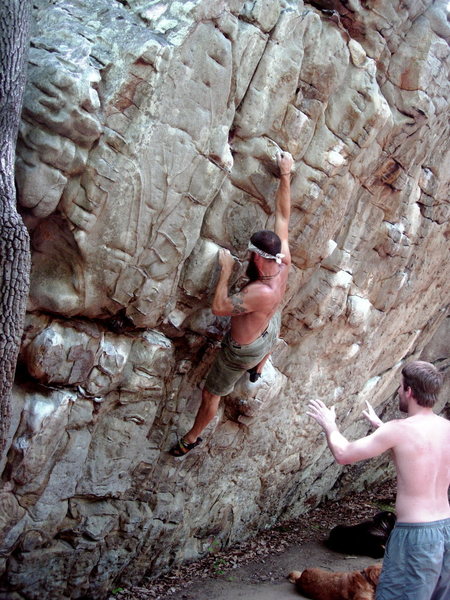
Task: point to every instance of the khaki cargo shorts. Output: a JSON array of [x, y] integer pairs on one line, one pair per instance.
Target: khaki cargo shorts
[[234, 359]]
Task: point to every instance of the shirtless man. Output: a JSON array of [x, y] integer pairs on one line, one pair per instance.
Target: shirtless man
[[417, 560], [255, 319]]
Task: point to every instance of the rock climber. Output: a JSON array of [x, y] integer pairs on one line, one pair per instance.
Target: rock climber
[[254, 311]]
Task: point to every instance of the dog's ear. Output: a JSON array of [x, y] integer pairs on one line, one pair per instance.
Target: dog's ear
[[381, 516], [373, 573]]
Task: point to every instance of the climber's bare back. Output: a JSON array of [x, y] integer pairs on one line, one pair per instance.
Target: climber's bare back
[[422, 459]]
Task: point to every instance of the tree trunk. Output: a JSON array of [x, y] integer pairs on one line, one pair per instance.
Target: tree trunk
[[14, 240]]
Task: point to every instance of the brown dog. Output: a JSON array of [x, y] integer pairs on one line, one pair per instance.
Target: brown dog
[[319, 584]]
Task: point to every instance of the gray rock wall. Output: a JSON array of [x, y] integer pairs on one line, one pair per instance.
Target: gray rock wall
[[148, 140]]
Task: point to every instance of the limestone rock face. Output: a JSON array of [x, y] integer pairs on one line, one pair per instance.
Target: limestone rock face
[[148, 141]]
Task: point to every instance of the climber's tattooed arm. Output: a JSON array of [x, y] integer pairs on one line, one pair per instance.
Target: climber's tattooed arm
[[238, 304]]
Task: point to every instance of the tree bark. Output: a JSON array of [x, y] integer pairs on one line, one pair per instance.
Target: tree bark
[[14, 240]]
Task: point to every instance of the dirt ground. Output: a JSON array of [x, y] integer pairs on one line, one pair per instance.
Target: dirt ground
[[266, 579], [258, 568]]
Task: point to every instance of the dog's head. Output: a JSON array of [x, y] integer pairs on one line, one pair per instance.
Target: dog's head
[[372, 574], [385, 520]]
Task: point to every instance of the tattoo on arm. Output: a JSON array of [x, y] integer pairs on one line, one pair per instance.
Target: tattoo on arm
[[238, 304]]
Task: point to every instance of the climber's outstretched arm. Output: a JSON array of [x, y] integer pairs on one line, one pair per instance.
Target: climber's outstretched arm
[[283, 203]]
